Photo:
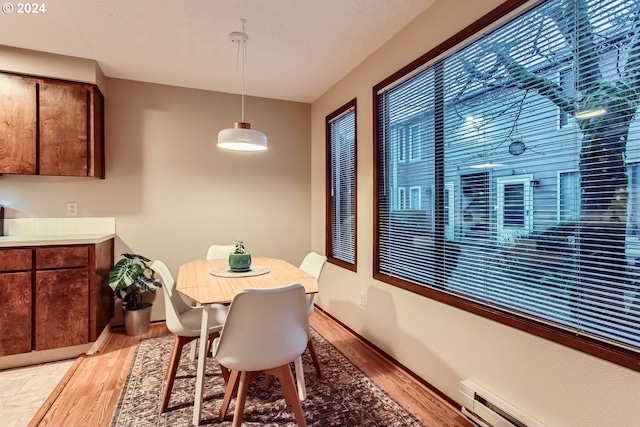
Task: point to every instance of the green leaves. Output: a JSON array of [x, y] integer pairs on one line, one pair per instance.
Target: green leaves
[[131, 278], [124, 274]]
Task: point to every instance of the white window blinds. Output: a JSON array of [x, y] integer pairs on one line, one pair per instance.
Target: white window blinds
[[341, 218], [518, 212]]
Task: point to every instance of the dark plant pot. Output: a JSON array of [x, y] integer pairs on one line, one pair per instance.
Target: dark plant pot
[[240, 262], [136, 322]]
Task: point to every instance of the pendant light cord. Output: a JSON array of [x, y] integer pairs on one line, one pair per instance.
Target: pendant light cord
[[243, 42]]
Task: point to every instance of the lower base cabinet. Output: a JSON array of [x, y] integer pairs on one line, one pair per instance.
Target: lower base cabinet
[[54, 297]]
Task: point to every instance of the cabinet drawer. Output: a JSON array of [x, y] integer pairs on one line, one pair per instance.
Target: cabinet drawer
[[62, 257], [15, 259]]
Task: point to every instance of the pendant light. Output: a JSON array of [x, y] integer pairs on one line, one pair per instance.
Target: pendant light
[[241, 137]]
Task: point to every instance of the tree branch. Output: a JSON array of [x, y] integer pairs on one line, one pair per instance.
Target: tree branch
[[526, 80], [632, 67], [574, 24]]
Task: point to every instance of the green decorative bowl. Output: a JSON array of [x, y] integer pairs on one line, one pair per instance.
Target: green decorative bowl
[[240, 262]]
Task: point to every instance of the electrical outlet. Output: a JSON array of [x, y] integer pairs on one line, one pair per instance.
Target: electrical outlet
[[72, 209], [363, 299]]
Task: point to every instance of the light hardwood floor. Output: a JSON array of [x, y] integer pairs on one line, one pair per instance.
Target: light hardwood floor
[[88, 393]]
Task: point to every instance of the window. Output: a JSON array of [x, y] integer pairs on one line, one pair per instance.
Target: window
[[401, 145], [402, 199], [568, 195], [414, 142], [566, 82], [545, 220], [449, 205], [633, 204], [341, 186]]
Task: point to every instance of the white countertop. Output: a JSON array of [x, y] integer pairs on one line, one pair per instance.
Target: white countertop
[[75, 239]]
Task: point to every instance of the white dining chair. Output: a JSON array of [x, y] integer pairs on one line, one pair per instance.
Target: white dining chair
[[213, 252], [313, 264], [220, 251], [265, 330], [184, 321]]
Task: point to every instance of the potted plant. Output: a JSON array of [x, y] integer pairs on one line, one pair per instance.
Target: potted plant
[[132, 280], [240, 259]]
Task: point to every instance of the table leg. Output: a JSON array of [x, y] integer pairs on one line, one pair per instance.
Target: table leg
[[202, 359]]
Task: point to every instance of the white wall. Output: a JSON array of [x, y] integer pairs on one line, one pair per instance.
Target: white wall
[[555, 384]]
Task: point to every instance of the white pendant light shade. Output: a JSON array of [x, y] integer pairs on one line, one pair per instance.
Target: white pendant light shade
[[242, 138]]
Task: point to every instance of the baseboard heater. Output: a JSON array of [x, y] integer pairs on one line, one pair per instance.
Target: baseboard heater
[[485, 409]]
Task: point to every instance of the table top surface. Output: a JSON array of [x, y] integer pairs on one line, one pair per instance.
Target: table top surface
[[196, 281]]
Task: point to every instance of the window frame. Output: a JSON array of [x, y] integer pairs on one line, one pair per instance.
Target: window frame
[[329, 232], [613, 353]]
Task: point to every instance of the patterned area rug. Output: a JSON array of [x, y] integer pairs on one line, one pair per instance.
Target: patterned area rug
[[344, 396]]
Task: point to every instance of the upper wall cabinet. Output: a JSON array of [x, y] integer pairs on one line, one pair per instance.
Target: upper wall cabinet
[[50, 127]]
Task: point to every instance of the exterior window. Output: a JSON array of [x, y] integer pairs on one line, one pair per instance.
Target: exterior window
[[401, 150], [633, 207], [402, 199], [414, 142], [566, 82], [449, 205], [568, 195], [341, 186], [544, 232]]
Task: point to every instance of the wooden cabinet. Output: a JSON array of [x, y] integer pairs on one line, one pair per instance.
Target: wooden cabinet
[[61, 309], [18, 107], [51, 127], [15, 301], [55, 296]]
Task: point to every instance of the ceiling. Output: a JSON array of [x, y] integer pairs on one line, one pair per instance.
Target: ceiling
[[297, 49]]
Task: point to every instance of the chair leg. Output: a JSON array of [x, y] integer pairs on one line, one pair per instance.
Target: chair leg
[[243, 389], [302, 387], [176, 352], [225, 375], [314, 356], [212, 337], [228, 394], [289, 391], [193, 350], [267, 382]]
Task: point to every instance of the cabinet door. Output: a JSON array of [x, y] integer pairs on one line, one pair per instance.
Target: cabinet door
[[15, 313], [63, 129], [61, 310], [17, 125]]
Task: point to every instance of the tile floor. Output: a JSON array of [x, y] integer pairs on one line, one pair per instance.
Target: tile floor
[[24, 390]]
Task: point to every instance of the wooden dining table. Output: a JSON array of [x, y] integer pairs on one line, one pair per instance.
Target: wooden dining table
[[211, 282]]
